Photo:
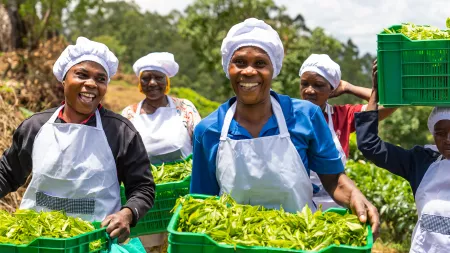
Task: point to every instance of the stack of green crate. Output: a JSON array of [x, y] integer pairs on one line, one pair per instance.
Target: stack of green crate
[[181, 242], [157, 219], [413, 72]]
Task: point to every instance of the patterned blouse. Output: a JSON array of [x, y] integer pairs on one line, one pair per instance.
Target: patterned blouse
[[185, 108]]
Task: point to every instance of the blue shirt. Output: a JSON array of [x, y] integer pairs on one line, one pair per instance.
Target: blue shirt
[[307, 128]]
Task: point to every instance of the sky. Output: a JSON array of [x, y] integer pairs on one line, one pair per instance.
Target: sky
[[359, 20]]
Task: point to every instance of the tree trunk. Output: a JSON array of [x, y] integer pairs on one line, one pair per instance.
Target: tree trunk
[[12, 28]]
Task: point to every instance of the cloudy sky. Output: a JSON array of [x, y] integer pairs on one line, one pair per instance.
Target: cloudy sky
[[359, 20]]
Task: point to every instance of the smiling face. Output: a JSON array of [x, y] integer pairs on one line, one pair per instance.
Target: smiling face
[[85, 86], [154, 84], [250, 72], [442, 137], [315, 88]]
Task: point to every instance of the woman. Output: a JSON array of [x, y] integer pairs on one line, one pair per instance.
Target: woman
[[165, 123], [424, 167], [320, 79], [79, 152], [259, 146]]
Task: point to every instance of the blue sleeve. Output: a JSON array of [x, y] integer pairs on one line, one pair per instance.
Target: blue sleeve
[[203, 180], [323, 157]]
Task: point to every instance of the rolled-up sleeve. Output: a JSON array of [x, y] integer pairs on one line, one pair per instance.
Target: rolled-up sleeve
[[323, 157]]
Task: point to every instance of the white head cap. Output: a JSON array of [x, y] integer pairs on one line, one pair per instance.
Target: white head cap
[[437, 114], [253, 32], [85, 50], [324, 66], [163, 62]]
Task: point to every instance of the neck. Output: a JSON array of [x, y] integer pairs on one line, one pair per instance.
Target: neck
[[70, 115], [160, 102], [254, 114]]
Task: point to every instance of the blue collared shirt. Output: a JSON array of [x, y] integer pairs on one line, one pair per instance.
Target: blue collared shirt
[[306, 125]]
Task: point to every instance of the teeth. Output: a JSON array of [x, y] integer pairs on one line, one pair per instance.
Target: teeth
[[89, 95], [249, 85]]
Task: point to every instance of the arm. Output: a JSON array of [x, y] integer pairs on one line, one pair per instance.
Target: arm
[[16, 163], [133, 166], [203, 179], [362, 93]]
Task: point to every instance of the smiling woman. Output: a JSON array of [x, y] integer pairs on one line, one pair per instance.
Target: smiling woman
[[80, 152], [260, 146]]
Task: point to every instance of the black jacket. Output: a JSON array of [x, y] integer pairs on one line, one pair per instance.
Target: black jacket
[[133, 165]]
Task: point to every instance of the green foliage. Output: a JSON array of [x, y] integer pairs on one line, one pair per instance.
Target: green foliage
[[172, 172], [231, 223], [113, 44], [24, 226], [203, 105], [391, 194], [420, 32], [407, 127]]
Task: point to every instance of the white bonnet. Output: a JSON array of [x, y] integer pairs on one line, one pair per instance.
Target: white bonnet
[[85, 50], [253, 32], [324, 66], [437, 114], [163, 62]]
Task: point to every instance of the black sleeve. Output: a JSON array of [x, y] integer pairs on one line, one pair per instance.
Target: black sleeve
[[136, 176], [16, 162], [385, 155]]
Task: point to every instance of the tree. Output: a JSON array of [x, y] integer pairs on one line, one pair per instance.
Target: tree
[[31, 21]]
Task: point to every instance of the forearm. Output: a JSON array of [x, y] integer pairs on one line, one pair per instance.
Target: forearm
[[340, 187], [360, 92]]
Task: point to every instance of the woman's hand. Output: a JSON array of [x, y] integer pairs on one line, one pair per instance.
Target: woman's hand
[[341, 89], [365, 211], [118, 224], [373, 101], [344, 191]]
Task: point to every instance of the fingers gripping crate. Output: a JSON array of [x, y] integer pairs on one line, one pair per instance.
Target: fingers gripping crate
[[413, 72]]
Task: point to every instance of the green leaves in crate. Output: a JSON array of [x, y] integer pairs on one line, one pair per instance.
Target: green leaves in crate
[[167, 173], [24, 226], [419, 32], [230, 223]]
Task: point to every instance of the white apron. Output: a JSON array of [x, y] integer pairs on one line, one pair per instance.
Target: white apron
[[265, 171], [74, 171], [322, 197], [432, 231], [164, 135]]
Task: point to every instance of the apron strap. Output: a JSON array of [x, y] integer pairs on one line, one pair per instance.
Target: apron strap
[[98, 119], [276, 110], [138, 109], [336, 141], [55, 115]]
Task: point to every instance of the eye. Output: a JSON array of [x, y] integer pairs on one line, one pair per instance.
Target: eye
[[101, 80], [239, 62], [81, 75], [159, 78], [260, 64]]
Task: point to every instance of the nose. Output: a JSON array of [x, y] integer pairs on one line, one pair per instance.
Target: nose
[[90, 83], [152, 82], [249, 71], [309, 90]]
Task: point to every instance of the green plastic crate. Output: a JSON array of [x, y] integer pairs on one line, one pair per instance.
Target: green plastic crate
[[181, 242], [77, 244], [157, 219], [413, 72]]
